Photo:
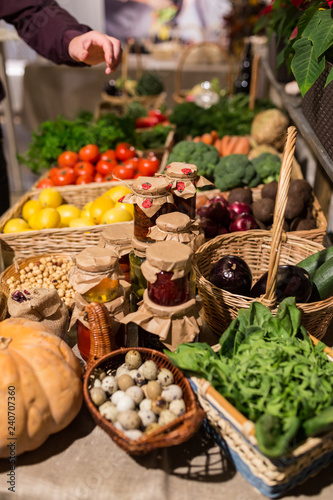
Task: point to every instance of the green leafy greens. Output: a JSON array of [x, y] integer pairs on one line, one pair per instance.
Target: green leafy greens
[[270, 370]]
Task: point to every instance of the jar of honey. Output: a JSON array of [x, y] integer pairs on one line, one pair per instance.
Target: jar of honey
[[167, 270], [184, 180], [119, 238], [151, 198], [95, 274]]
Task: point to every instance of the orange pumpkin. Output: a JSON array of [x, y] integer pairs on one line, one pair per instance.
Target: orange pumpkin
[[40, 387]]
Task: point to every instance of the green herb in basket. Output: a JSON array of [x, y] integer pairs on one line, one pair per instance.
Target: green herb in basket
[[271, 371]]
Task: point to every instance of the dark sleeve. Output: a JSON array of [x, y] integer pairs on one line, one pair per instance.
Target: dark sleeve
[[44, 26]]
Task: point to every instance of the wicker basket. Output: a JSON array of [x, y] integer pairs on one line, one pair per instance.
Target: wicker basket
[[58, 240], [262, 250], [234, 433], [178, 431], [3, 306], [179, 95]]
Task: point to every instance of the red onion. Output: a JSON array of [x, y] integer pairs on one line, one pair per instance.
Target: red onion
[[238, 208], [243, 222]]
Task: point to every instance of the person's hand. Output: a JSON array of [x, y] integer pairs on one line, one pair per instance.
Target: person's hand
[[94, 48]]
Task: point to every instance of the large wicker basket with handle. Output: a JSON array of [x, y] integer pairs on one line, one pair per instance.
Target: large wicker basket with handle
[[105, 356], [263, 251]]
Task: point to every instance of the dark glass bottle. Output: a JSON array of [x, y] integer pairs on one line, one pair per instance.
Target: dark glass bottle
[[242, 83]]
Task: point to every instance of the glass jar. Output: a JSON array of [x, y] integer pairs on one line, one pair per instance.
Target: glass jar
[[83, 339], [167, 270], [151, 198], [96, 274], [118, 237], [138, 282], [184, 181]]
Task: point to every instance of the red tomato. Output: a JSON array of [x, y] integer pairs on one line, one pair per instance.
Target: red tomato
[[110, 154], [108, 178], [148, 166], [45, 183], [98, 177], [68, 159], [125, 151], [84, 168], [132, 162], [146, 121], [90, 152], [84, 179], [156, 113], [63, 176], [124, 172], [105, 167]]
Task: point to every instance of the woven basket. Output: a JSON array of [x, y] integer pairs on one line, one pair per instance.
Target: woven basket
[[3, 306], [101, 341], [234, 433], [58, 240], [179, 95], [262, 250]]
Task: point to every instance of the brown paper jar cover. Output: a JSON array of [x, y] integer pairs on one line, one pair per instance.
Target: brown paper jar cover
[[184, 179], [150, 194], [42, 305], [170, 256], [118, 237], [178, 227], [173, 325], [92, 266]]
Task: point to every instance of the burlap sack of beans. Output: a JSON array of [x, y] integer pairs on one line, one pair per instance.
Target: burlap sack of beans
[[42, 305]]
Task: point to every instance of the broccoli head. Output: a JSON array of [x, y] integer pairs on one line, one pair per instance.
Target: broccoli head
[[202, 155], [267, 166], [233, 171]]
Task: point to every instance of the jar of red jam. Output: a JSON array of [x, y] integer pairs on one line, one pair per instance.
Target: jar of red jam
[[151, 198], [178, 226], [119, 238], [95, 274], [167, 270], [184, 180]]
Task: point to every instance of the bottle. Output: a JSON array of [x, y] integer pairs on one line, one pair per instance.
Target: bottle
[[242, 83]]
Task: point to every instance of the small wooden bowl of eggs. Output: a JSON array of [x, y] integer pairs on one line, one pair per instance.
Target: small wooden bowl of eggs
[[141, 400]]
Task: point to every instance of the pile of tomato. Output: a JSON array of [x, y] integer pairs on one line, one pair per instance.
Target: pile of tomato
[[90, 165]]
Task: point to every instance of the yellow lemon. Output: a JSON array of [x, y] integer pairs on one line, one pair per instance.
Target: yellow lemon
[[30, 208], [33, 223], [125, 206], [50, 198], [99, 207], [116, 215], [87, 205], [68, 213], [81, 222], [48, 218], [117, 192], [16, 225]]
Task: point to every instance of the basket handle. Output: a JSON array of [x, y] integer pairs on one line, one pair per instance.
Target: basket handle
[[102, 339], [188, 50], [269, 297]]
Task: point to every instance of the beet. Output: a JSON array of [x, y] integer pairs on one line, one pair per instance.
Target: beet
[[231, 273], [291, 281], [219, 213], [210, 228]]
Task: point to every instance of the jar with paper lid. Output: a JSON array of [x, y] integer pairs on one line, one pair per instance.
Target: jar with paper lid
[[167, 270], [119, 238], [179, 227], [137, 257], [184, 181], [95, 274], [151, 198]]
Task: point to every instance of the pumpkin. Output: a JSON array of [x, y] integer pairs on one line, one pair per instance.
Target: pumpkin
[[40, 385]]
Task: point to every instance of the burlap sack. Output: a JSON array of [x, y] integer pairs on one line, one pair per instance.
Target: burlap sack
[[42, 305]]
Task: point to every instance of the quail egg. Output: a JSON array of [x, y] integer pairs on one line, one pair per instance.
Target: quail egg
[[171, 392], [133, 360], [109, 384], [165, 377], [97, 382], [98, 396], [147, 417], [177, 407], [121, 370], [125, 403], [136, 393], [137, 377], [166, 417], [116, 396], [129, 419], [158, 404], [152, 427], [145, 404], [125, 381], [134, 434], [109, 411], [153, 389], [149, 369]]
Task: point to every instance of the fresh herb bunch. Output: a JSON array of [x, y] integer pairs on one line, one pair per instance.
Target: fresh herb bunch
[[306, 29], [230, 116], [270, 370]]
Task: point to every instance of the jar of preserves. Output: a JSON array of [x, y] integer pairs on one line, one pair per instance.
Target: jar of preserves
[[167, 270], [139, 283], [95, 274], [178, 226], [151, 198], [184, 180], [119, 238]]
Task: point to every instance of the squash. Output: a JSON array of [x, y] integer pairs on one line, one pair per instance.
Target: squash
[[40, 387]]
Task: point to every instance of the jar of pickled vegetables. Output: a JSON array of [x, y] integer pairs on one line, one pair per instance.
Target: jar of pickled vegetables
[[119, 238], [184, 180], [151, 198], [139, 283], [167, 270], [95, 274]]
